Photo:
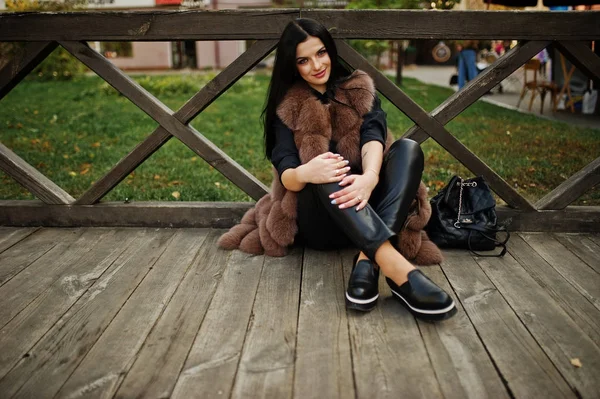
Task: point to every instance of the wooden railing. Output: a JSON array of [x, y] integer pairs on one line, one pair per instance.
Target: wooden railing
[[45, 31]]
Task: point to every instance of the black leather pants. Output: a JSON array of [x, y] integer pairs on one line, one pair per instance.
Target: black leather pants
[[323, 225]]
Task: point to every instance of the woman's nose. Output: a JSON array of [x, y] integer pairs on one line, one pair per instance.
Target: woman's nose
[[316, 65]]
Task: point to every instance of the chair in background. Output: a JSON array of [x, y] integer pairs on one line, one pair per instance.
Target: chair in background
[[537, 86]]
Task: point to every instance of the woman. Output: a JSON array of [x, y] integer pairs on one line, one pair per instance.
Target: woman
[[325, 134]]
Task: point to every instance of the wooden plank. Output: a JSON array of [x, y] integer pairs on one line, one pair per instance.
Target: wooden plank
[[388, 353], [484, 82], [18, 257], [573, 219], [22, 63], [582, 57], [209, 93], [9, 236], [573, 269], [583, 246], [212, 363], [164, 116], [266, 369], [463, 367], [519, 359], [134, 214], [323, 358], [268, 24], [147, 26], [452, 24], [54, 357], [583, 313], [434, 128], [30, 178], [25, 329], [19, 291], [553, 329], [572, 188], [159, 361], [104, 367]]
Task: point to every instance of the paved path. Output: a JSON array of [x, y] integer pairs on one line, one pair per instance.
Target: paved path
[[440, 76]]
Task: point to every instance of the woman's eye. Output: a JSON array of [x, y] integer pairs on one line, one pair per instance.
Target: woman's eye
[[300, 62], [322, 52]]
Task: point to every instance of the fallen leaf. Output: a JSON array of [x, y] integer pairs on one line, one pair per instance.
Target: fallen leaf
[[83, 172], [72, 173], [76, 148], [35, 112], [175, 183], [66, 156], [156, 177], [193, 159], [576, 362], [19, 126], [176, 194], [96, 144], [217, 184], [54, 118]]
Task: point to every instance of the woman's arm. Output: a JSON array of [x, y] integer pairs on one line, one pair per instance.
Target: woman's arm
[[372, 157], [325, 168], [358, 188]]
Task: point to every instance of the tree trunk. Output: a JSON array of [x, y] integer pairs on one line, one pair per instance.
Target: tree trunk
[[399, 62]]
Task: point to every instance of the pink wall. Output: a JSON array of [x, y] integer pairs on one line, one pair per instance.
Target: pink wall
[[147, 55]]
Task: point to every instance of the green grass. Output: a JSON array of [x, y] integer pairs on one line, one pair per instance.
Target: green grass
[[75, 132]]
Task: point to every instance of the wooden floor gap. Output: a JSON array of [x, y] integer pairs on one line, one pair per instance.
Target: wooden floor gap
[[248, 328], [477, 332]]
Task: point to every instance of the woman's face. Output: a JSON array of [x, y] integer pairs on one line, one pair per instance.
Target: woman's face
[[313, 63]]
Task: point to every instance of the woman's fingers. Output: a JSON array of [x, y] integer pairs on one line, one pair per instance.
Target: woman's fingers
[[361, 205], [351, 199], [347, 180]]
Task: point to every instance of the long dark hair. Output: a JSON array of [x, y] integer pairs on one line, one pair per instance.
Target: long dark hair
[[285, 71]]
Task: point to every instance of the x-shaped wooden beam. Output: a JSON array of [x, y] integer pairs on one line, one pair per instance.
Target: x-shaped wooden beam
[[26, 175], [432, 124], [175, 124]]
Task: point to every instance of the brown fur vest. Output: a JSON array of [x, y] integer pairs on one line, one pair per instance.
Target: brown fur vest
[[270, 227]]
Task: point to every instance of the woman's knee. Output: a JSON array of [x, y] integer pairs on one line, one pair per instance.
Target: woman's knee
[[409, 150]]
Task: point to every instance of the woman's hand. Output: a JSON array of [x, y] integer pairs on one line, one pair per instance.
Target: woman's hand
[[357, 192], [324, 168]]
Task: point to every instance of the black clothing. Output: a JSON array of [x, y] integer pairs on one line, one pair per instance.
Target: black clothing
[[285, 153], [322, 225]]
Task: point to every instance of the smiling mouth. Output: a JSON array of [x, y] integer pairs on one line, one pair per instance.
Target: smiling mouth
[[320, 74]]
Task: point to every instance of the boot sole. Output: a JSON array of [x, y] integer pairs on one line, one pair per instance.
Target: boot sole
[[364, 305], [427, 315]]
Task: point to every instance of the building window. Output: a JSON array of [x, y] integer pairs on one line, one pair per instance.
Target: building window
[[116, 49]]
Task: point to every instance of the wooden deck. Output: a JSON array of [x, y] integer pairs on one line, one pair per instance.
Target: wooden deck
[[123, 312]]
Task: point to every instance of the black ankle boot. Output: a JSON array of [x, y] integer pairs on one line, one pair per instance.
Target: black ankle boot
[[423, 298], [363, 290]]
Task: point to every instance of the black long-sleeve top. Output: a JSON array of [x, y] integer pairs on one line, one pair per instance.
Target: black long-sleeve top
[[285, 154]]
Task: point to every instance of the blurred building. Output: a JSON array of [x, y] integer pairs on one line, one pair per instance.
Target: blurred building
[[178, 54]]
